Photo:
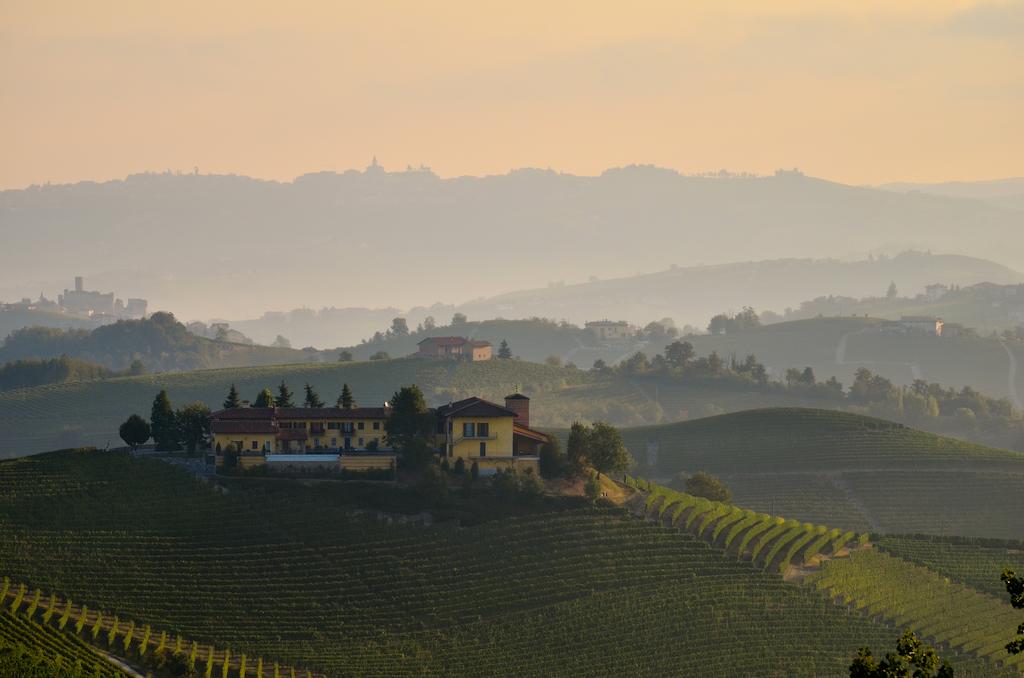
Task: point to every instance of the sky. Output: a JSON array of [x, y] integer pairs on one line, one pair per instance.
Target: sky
[[861, 92]]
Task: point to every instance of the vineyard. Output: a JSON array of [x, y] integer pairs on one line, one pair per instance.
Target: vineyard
[[848, 471], [293, 575], [788, 440], [853, 575], [772, 542], [912, 596], [89, 413], [975, 562], [29, 649]]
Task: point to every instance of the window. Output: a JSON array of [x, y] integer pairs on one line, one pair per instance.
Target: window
[[360, 442], [347, 427], [333, 425], [483, 430], [468, 430], [362, 425], [376, 426], [483, 449], [255, 444], [334, 442]]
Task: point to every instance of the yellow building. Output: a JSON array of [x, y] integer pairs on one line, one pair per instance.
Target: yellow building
[[490, 435], [478, 431], [283, 430]]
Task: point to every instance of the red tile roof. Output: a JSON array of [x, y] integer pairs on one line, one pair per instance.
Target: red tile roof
[[444, 341], [474, 407], [242, 426]]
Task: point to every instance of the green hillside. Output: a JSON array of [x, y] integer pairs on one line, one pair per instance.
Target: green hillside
[[971, 561], [294, 574], [845, 568], [50, 417], [845, 470], [839, 346]]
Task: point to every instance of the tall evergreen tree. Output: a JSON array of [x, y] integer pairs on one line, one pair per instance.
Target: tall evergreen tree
[[576, 448], [503, 350], [346, 401], [232, 401], [410, 426], [284, 396], [164, 425], [194, 425], [265, 398], [312, 399]]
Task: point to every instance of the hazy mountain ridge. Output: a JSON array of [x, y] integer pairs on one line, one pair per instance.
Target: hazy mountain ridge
[[210, 246]]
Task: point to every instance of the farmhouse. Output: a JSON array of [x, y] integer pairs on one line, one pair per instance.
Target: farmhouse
[[921, 323], [490, 435], [610, 330], [454, 348], [478, 431]]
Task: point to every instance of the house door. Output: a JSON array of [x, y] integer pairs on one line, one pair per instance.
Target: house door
[[483, 449], [348, 443]]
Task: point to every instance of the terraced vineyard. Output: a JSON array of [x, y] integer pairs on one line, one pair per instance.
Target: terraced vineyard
[[32, 650], [975, 562], [290, 574], [849, 471], [918, 598], [772, 542], [815, 498], [90, 412], [849, 571]]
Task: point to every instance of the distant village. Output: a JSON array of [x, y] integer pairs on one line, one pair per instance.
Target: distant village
[[82, 303]]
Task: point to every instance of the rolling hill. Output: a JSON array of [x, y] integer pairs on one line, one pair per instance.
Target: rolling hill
[[845, 470], [313, 576], [609, 226], [839, 346]]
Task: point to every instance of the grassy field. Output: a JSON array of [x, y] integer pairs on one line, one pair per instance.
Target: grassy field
[[293, 574], [846, 470]]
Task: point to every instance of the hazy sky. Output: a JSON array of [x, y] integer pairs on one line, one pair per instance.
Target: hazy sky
[[863, 91]]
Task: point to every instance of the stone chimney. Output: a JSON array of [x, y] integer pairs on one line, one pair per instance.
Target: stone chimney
[[519, 404]]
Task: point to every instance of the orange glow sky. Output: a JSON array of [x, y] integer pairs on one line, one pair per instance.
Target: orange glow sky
[[861, 92]]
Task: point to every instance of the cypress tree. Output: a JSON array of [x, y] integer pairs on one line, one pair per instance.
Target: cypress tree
[[345, 400], [232, 401], [164, 425], [284, 396], [312, 399]]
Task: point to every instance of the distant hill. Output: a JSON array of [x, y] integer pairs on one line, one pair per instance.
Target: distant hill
[[222, 245], [692, 295], [847, 470], [984, 307], [839, 346], [159, 342]]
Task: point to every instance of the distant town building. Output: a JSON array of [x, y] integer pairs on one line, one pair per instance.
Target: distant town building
[[610, 330], [84, 302], [455, 348], [921, 323], [81, 301]]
